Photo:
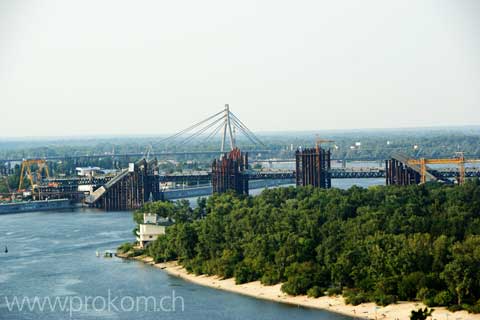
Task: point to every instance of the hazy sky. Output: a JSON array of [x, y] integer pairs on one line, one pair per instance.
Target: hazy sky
[[151, 67]]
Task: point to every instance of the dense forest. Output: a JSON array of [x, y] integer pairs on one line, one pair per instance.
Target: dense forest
[[379, 244]]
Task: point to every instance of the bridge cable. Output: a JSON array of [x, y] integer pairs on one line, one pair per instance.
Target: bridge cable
[[201, 131], [244, 126], [215, 131], [247, 131], [190, 127], [244, 132]]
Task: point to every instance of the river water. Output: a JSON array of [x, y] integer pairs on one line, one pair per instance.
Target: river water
[[52, 268]]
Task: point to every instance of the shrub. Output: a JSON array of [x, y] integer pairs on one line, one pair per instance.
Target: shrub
[[194, 266], [125, 247], [244, 273], [430, 302], [315, 292], [136, 252], [384, 299], [355, 297], [428, 297], [270, 277], [454, 308], [444, 298], [334, 291], [300, 277], [473, 309], [410, 285]]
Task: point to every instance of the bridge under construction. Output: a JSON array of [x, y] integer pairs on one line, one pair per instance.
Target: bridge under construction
[[142, 181], [401, 170]]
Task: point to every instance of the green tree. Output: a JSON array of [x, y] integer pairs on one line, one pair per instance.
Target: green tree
[[462, 274]]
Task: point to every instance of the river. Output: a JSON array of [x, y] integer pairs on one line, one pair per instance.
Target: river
[[52, 256]]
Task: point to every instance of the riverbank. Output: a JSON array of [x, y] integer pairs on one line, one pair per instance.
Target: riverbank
[[400, 310]]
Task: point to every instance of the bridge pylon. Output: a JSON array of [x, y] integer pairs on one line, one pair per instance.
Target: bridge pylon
[[227, 127], [224, 123]]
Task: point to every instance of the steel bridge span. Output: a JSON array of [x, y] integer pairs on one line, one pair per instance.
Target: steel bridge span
[[401, 170], [205, 176], [69, 186], [141, 181]]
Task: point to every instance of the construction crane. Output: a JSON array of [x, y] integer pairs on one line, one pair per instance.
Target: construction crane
[[319, 141], [27, 169], [459, 160]]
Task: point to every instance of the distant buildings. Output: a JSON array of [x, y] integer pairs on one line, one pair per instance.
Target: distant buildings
[[93, 171], [153, 226], [88, 171]]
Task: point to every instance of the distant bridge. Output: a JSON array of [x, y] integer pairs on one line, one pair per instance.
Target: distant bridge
[[140, 182], [202, 177], [336, 173], [205, 176], [401, 170], [129, 155]]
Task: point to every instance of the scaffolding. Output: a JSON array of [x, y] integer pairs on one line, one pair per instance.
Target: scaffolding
[[228, 173], [313, 167]]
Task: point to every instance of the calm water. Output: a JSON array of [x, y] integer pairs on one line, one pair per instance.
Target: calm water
[[52, 254]]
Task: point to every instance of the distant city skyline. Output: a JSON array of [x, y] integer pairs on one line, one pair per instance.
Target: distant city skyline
[[114, 67]]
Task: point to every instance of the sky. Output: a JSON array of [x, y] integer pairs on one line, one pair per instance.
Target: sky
[[108, 67]]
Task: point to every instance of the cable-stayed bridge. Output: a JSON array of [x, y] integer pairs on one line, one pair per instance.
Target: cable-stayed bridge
[[140, 182], [224, 123]]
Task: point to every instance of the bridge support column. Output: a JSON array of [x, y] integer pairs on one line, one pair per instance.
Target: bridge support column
[[229, 173], [312, 167], [130, 190], [398, 173]]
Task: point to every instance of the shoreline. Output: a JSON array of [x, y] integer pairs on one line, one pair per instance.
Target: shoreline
[[335, 304]]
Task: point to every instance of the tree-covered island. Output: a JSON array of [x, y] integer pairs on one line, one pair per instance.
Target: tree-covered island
[[380, 244]]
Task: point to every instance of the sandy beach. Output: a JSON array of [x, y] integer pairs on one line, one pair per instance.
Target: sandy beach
[[400, 310]]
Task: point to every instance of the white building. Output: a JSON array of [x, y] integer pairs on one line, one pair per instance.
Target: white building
[[86, 188], [88, 171], [152, 227]]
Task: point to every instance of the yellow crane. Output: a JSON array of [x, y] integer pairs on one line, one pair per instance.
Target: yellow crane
[[459, 160], [27, 169], [319, 141]]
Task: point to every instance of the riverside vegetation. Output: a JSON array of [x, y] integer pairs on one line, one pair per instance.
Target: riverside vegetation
[[380, 244]]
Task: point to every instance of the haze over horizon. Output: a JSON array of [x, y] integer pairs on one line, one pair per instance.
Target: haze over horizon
[[113, 67]]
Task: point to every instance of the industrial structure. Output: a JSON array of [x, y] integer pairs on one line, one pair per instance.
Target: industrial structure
[[398, 172], [130, 189], [401, 170], [34, 175], [313, 167], [229, 173]]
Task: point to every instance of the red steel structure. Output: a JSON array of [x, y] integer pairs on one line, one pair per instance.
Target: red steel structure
[[229, 173], [313, 167]]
